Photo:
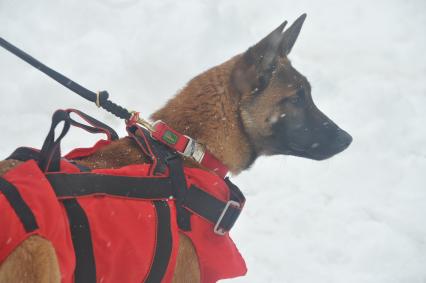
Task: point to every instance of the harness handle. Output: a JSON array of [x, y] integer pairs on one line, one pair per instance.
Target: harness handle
[[96, 126], [50, 153]]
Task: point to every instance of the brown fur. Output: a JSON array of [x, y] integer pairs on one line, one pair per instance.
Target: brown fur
[[34, 260], [236, 109], [205, 106], [207, 109]]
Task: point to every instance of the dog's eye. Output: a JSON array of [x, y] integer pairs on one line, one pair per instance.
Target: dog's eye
[[298, 99], [262, 82], [301, 94], [295, 99]]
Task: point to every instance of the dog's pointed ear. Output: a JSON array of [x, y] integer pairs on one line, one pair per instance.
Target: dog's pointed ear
[[265, 52], [255, 67], [291, 34]]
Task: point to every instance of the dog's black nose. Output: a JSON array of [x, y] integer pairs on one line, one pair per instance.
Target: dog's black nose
[[343, 139]]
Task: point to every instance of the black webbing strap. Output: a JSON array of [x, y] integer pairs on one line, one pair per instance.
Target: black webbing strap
[[50, 153], [212, 209], [24, 154], [100, 99], [80, 167], [235, 193], [85, 265], [154, 150], [163, 247], [18, 204], [27, 153], [179, 188], [77, 185], [85, 269], [96, 126], [49, 160]]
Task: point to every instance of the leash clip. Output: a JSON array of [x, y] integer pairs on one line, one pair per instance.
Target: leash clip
[[219, 230], [136, 119]]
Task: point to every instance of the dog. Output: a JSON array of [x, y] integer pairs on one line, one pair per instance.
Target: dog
[[254, 104]]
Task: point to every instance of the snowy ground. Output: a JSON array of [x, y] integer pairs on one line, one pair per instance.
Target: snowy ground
[[359, 217]]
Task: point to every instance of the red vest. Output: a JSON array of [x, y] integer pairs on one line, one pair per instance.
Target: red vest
[[125, 231]]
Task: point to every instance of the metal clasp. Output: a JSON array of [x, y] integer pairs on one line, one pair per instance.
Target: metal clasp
[[217, 229], [194, 150]]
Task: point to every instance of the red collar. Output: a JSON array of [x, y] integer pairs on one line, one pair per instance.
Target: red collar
[[184, 145]]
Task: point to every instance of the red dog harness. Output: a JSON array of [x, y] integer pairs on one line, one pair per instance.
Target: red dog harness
[[119, 225]]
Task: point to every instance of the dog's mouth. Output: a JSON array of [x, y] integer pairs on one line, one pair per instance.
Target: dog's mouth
[[318, 151]]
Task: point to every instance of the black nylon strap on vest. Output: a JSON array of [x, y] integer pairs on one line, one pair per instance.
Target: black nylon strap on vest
[[179, 185], [77, 185], [102, 100], [18, 204], [154, 150], [85, 269], [211, 208], [163, 247], [24, 154]]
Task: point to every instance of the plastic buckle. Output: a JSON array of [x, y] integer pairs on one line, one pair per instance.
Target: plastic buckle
[[217, 229]]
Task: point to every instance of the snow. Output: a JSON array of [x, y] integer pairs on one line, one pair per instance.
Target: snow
[[358, 217]]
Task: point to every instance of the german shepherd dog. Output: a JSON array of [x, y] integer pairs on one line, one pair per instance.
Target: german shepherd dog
[[254, 104]]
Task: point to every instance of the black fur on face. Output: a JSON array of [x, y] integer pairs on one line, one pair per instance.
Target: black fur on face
[[303, 130], [276, 106]]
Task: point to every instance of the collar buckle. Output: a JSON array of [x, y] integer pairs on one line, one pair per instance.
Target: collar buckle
[[193, 150]]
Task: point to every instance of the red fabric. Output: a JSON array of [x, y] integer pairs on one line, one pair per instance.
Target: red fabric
[[212, 163], [218, 256], [80, 152], [50, 215], [122, 230], [161, 128], [208, 161]]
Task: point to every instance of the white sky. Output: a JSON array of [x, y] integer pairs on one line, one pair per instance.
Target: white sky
[[358, 217]]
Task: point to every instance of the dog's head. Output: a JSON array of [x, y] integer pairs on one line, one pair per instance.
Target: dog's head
[[276, 106]]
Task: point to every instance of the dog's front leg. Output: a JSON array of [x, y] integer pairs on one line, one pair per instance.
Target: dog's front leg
[[34, 261], [187, 268]]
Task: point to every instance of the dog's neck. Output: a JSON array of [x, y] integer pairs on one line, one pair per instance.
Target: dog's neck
[[207, 109]]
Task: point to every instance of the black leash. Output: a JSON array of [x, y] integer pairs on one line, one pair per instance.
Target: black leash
[[101, 98]]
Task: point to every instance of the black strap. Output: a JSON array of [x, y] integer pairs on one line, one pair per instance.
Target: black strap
[[235, 193], [163, 248], [50, 153], [80, 167], [27, 153], [96, 125], [211, 208], [18, 204], [85, 269], [66, 82], [145, 142], [77, 185], [179, 188], [24, 154]]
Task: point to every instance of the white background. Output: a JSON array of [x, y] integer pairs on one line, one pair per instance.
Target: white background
[[359, 217]]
